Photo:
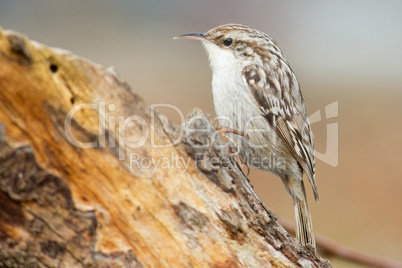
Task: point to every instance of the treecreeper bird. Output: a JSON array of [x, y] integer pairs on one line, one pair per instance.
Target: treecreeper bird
[[256, 92]]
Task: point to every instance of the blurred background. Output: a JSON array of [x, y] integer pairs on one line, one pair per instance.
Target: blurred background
[[344, 51]]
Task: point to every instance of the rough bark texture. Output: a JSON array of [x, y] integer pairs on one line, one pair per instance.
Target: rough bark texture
[[114, 204]]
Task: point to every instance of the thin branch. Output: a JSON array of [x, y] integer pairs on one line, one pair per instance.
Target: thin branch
[[331, 248]]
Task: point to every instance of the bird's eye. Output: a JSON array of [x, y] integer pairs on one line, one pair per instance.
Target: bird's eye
[[228, 42]]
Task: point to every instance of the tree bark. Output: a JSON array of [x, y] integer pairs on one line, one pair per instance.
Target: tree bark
[[92, 176]]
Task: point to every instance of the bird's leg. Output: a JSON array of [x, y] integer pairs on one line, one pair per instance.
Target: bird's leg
[[223, 129], [234, 142], [226, 130], [242, 163], [248, 169]]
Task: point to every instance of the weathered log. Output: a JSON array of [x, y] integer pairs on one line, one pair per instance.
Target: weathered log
[[91, 175]]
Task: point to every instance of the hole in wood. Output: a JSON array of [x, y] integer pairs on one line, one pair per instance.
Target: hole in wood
[[53, 68]]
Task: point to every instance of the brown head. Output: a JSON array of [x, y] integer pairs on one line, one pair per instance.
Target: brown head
[[242, 40]]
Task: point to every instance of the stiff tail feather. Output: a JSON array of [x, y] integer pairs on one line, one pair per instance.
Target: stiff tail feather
[[304, 225]]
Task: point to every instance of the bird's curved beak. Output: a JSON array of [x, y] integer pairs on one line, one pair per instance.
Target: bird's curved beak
[[195, 36]]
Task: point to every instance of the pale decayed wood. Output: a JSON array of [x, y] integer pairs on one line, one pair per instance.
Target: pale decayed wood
[[66, 206]]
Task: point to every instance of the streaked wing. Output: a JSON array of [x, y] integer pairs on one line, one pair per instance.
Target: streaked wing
[[285, 113]]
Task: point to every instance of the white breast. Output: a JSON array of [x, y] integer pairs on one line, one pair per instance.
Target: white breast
[[233, 101], [237, 109]]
